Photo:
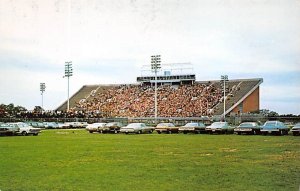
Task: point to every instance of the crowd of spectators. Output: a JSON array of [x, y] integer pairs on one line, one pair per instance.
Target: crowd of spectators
[[191, 100]]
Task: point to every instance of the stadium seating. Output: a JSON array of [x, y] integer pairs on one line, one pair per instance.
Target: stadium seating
[[137, 100], [82, 93]]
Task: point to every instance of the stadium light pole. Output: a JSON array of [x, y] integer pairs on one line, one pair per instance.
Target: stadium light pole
[[155, 65], [68, 74], [42, 89], [224, 79]]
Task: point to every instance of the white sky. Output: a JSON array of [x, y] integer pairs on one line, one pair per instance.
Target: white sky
[[108, 41]]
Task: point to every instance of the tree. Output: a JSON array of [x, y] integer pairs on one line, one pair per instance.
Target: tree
[[268, 113]]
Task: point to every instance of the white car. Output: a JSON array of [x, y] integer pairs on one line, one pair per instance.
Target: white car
[[72, 125], [25, 129], [138, 128], [219, 127], [94, 127], [296, 129]]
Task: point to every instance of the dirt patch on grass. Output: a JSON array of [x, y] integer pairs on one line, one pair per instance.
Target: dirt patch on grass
[[285, 155], [228, 150]]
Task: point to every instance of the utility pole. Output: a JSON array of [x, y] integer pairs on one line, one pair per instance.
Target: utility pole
[[224, 79], [68, 74], [155, 65], [42, 89]]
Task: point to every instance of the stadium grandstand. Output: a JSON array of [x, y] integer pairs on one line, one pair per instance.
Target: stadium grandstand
[[179, 95]]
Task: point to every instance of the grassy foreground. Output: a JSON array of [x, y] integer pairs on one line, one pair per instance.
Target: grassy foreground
[[77, 160]]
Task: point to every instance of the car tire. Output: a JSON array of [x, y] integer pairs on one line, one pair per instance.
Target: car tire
[[184, 132], [158, 132], [35, 134], [140, 132], [91, 131], [24, 133], [169, 132], [116, 132], [239, 133], [264, 133]]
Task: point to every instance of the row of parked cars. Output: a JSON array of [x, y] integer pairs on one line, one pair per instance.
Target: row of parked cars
[[34, 128], [18, 128], [56, 125], [270, 127]]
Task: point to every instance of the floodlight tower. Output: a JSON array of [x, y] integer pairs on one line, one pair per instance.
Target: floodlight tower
[[224, 79], [42, 89], [68, 74], [155, 65]]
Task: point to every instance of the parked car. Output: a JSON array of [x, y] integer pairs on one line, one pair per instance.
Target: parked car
[[25, 129], [7, 129], [192, 128], [35, 124], [74, 125], [166, 128], [83, 124], [138, 128], [51, 125], [219, 127], [296, 129], [274, 127], [112, 127], [95, 127], [62, 125], [248, 128]]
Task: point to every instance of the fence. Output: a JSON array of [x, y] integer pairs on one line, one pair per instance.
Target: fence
[[178, 121]]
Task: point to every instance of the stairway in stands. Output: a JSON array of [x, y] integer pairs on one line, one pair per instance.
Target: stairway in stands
[[82, 93]]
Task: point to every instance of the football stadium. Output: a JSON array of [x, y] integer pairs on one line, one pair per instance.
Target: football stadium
[[178, 95], [83, 144], [220, 112]]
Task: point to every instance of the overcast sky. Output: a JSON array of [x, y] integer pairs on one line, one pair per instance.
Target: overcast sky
[[108, 41]]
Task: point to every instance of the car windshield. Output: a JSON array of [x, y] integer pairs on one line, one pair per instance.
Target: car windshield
[[136, 125], [111, 124], [191, 125], [297, 125], [270, 123], [23, 125], [99, 124], [219, 124], [165, 125], [247, 125]]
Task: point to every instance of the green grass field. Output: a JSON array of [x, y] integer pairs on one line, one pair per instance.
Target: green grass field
[[78, 160]]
